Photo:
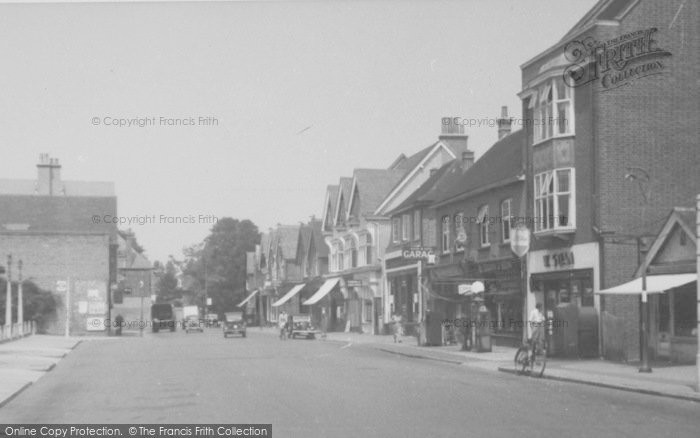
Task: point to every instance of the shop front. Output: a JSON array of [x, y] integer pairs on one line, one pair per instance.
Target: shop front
[[564, 281], [504, 299]]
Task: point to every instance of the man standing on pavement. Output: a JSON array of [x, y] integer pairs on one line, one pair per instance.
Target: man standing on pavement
[[282, 324], [536, 321]]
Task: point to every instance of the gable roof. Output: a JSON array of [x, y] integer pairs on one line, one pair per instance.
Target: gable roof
[[317, 238], [407, 163], [372, 186], [416, 165], [683, 217], [343, 196], [501, 164], [427, 192], [287, 237], [330, 201], [304, 241]]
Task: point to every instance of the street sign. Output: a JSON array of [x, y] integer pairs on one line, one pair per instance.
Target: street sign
[[61, 286], [353, 283], [520, 240], [418, 253]]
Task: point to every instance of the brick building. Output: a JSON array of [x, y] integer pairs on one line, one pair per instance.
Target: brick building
[[614, 108], [50, 224]]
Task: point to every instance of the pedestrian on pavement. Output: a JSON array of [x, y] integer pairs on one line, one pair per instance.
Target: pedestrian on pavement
[[536, 321], [324, 323], [282, 324], [398, 328]]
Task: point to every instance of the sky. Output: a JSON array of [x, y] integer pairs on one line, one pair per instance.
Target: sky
[[250, 109]]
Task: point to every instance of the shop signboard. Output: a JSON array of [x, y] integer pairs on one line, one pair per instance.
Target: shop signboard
[[520, 240]]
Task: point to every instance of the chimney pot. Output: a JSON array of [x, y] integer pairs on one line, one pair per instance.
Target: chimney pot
[[504, 123]]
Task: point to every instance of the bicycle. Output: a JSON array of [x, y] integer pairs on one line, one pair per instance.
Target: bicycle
[[531, 360]]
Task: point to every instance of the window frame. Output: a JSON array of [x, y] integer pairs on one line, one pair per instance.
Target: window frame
[[483, 220], [405, 227], [546, 111], [459, 221], [416, 225], [445, 238], [546, 206], [506, 218], [396, 229]]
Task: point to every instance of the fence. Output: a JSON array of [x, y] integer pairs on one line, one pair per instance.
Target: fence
[[16, 331]]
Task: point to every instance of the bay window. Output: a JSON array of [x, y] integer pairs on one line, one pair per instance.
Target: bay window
[[554, 200], [553, 110]]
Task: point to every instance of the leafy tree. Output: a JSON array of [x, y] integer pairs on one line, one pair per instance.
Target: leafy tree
[[166, 281], [39, 305], [219, 262]]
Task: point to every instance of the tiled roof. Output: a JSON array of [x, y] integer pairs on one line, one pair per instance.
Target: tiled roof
[[304, 239], [426, 193], [287, 237], [373, 185], [689, 217], [66, 188], [501, 162], [407, 163], [344, 189], [57, 214], [603, 10], [321, 247]]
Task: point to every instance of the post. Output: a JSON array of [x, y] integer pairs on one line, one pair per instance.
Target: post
[[67, 329], [644, 367], [8, 297], [697, 292], [20, 301], [523, 281]]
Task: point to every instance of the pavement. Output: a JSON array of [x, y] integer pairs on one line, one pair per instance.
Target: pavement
[[674, 381], [26, 360]]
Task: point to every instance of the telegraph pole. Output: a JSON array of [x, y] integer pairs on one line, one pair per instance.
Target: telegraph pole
[[20, 301], [8, 297]]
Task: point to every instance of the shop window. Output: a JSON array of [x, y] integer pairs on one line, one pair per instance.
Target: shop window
[[554, 200], [367, 310], [506, 224], [553, 110], [685, 311]]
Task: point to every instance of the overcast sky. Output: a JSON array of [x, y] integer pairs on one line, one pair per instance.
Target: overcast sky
[[303, 93]]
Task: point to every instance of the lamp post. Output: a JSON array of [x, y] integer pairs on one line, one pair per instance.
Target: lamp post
[[642, 177], [20, 301], [8, 296]]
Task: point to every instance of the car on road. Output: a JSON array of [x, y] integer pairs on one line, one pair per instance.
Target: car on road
[[193, 324], [234, 324], [302, 327], [212, 320], [162, 317]]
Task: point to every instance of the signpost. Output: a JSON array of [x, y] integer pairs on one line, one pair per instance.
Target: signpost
[[520, 245], [62, 286]]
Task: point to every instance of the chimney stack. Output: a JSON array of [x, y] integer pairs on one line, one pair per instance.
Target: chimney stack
[[433, 171], [48, 176], [453, 136], [467, 159], [504, 123]]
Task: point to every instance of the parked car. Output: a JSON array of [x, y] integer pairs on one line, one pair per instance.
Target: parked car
[[162, 317], [193, 324], [234, 324], [302, 327], [212, 320]]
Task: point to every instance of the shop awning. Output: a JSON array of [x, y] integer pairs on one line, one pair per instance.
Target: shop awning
[[322, 291], [656, 284], [242, 303], [288, 296]]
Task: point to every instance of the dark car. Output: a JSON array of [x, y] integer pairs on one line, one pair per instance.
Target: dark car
[[234, 324], [162, 317], [302, 327], [193, 324]]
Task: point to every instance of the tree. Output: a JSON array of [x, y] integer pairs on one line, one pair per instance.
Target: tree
[[219, 262], [38, 305], [166, 281]]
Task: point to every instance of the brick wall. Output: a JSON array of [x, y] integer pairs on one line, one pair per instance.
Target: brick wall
[[48, 258]]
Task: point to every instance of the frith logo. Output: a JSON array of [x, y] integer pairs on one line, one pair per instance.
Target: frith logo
[[616, 62]]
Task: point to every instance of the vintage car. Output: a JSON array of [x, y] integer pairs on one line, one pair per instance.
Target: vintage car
[[193, 324], [234, 324], [302, 327]]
